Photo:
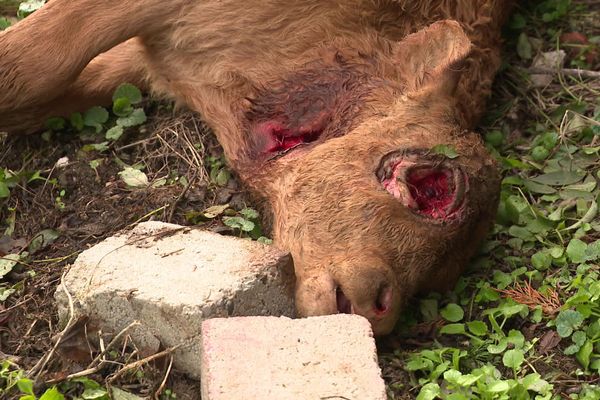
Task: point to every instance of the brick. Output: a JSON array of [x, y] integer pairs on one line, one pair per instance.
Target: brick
[[170, 278], [332, 357]]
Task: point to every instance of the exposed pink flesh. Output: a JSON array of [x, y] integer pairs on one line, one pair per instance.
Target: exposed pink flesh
[[429, 191], [400, 191], [279, 138], [432, 192]]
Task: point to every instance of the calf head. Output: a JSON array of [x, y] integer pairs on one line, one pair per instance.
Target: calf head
[[344, 154]]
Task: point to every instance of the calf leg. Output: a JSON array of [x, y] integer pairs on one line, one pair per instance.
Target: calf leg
[[94, 86], [43, 54]]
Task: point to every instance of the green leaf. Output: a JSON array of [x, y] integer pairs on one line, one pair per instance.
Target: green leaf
[[494, 138], [452, 376], [452, 312], [557, 252], [264, 240], [4, 190], [119, 394], [541, 260], [42, 240], [567, 321], [249, 213], [498, 348], [539, 153], [56, 123], [137, 117], [134, 178], [122, 107], [516, 338], [5, 293], [239, 223], [524, 47], [477, 328], [25, 385], [453, 329], [583, 355], [129, 92], [593, 331], [94, 394], [222, 177], [498, 387], [572, 349], [28, 7], [521, 233], [100, 147], [95, 117], [549, 140], [592, 253], [77, 121], [579, 338], [114, 133], [52, 394], [429, 309], [429, 391], [215, 211], [535, 187], [445, 150], [534, 382], [7, 263], [576, 251], [559, 178], [513, 358], [87, 382]]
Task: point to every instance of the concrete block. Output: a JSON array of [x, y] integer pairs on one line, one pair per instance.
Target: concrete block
[[170, 278], [329, 357]]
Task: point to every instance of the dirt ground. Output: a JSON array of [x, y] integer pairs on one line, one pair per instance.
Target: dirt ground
[[86, 205]]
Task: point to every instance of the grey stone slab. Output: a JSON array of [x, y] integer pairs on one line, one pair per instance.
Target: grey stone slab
[[170, 278]]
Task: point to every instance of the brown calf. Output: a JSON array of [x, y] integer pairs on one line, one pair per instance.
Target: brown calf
[[328, 110]]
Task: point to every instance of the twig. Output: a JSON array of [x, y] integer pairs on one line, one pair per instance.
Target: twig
[[579, 73], [133, 144], [20, 303], [164, 381], [25, 336], [178, 199], [94, 366], [41, 364], [143, 361], [151, 213], [115, 340], [56, 259]]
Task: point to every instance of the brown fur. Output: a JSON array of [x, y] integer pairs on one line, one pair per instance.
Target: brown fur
[[373, 77]]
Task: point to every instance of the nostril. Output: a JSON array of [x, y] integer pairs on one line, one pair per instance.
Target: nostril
[[384, 300]]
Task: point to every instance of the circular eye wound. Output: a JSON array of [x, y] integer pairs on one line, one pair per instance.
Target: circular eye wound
[[433, 190]]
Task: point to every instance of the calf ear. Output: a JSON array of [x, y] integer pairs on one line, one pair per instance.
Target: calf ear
[[433, 56]]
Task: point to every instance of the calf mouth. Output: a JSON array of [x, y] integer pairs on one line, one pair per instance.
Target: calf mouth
[[430, 187]]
